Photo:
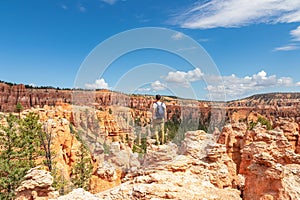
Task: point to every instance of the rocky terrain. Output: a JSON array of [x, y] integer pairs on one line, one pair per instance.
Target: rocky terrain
[[255, 155], [208, 114], [233, 164]]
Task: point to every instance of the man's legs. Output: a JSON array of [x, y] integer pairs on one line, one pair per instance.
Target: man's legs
[[162, 128], [156, 130], [159, 126], [156, 135]]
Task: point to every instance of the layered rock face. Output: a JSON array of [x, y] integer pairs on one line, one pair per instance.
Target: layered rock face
[[271, 106], [28, 97], [10, 95], [267, 159], [206, 113]]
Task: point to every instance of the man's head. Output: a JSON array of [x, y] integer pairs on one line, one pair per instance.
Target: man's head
[[157, 97]]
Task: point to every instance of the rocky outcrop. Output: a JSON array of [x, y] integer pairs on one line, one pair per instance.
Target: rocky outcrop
[[169, 173], [67, 140], [233, 137], [266, 157], [290, 130], [223, 165], [269, 158], [79, 194], [123, 157], [199, 169], [37, 185]]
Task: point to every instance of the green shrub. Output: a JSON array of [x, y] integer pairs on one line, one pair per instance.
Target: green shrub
[[140, 149], [263, 121], [106, 148]]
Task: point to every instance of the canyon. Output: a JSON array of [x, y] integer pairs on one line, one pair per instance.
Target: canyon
[[207, 113], [229, 160]]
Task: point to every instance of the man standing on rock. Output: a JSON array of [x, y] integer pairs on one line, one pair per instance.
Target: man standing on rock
[[159, 116]]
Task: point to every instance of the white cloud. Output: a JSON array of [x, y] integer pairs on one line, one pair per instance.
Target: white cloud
[[184, 78], [296, 33], [32, 84], [177, 77], [177, 36], [237, 13], [157, 85], [110, 2], [99, 84], [287, 48], [81, 8], [235, 87], [143, 89], [187, 49], [298, 84], [285, 81]]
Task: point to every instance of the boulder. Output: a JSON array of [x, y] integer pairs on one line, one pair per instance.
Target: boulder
[[37, 185]]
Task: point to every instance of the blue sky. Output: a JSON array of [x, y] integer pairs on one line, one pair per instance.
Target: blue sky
[[255, 45]]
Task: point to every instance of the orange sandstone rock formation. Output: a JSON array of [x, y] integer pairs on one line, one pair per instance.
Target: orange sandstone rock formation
[[200, 169], [265, 158]]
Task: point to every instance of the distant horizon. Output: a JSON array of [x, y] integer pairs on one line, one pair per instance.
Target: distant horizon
[[139, 94]]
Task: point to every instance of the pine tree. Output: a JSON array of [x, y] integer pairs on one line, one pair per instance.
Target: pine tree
[[20, 147], [38, 141], [30, 130], [82, 171], [13, 158]]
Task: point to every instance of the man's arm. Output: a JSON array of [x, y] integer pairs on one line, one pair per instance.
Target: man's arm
[[165, 107], [153, 110]]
